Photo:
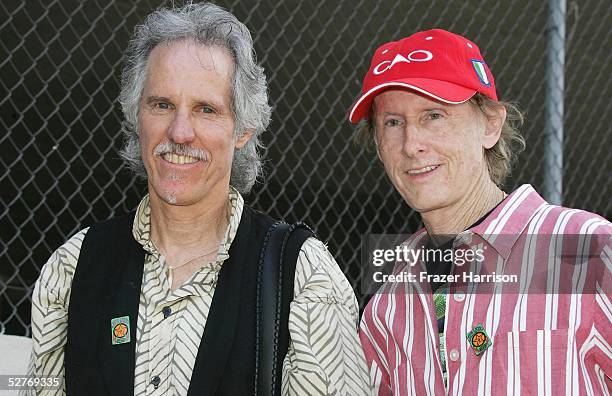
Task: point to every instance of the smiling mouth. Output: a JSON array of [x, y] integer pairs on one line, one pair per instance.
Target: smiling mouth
[[179, 159], [420, 171]]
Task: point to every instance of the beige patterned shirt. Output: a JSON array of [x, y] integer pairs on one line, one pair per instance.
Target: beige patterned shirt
[[324, 356]]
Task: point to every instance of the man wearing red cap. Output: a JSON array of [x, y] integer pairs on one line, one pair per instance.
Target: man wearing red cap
[[530, 312]]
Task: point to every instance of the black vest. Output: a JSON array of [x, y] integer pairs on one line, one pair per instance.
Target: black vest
[[107, 285]]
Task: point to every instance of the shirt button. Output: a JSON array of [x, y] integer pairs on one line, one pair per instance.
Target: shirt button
[[155, 381], [459, 296], [454, 355], [167, 311]]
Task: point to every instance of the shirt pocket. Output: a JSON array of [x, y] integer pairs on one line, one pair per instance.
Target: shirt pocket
[[532, 361]]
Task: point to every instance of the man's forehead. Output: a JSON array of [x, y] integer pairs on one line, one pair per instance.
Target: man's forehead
[[179, 53], [406, 97], [187, 70]]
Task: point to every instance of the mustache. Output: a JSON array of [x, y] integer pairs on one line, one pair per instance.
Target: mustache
[[180, 149]]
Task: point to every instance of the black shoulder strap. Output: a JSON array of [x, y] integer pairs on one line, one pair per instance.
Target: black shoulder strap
[[275, 284]]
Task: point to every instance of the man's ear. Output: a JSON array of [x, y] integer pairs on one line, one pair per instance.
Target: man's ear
[[493, 127], [244, 138]]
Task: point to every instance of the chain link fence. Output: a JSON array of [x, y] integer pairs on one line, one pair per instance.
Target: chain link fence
[[60, 68]]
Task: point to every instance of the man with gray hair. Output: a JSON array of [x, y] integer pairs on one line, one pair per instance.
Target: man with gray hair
[[189, 294]]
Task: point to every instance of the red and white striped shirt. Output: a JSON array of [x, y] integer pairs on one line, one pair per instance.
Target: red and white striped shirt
[[546, 340]]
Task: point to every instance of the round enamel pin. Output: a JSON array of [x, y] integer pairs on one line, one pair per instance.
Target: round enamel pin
[[479, 340]]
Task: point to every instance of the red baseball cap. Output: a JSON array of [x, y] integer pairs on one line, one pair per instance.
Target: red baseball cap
[[442, 65]]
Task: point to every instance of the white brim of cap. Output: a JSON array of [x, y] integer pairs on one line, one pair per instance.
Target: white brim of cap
[[368, 95]]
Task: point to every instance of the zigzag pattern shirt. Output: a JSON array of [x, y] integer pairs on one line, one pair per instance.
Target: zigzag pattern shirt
[[550, 330], [324, 355]]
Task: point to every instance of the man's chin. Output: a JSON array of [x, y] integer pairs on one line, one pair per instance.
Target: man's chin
[[171, 199], [178, 198], [422, 204], [170, 196]]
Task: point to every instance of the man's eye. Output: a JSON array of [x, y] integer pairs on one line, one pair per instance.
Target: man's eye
[[162, 106], [392, 122], [435, 116], [207, 110]]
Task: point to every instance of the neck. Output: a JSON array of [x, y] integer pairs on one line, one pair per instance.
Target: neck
[[182, 232], [454, 219]]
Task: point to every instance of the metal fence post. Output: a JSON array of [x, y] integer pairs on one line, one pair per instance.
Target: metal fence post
[[555, 64]]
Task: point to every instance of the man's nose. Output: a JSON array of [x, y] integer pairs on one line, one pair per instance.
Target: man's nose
[[414, 142], [181, 129]]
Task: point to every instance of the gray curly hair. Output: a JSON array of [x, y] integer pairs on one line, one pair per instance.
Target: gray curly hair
[[206, 24], [500, 158]]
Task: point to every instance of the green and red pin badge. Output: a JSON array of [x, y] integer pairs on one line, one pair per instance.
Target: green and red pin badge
[[479, 340], [120, 330]]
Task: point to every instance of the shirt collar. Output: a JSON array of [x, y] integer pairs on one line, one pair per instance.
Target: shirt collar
[[141, 229], [507, 220], [505, 224]]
